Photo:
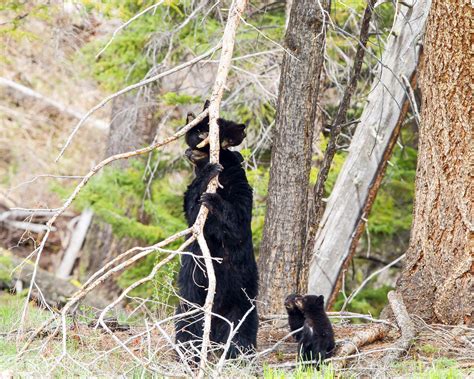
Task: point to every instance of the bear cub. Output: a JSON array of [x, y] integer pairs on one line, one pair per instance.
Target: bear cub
[[295, 316], [316, 340], [229, 237]]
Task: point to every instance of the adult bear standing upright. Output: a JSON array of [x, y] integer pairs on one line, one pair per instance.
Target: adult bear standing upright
[[229, 237]]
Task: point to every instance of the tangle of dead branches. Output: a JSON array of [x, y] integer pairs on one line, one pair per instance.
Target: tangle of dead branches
[[136, 253]]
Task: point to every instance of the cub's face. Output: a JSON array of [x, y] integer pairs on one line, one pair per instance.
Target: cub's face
[[290, 302]]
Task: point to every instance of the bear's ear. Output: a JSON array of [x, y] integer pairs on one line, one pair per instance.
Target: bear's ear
[[190, 117], [241, 126], [321, 299], [206, 105]]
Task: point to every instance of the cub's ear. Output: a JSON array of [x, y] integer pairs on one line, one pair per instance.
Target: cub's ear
[[206, 104], [321, 299], [190, 117], [241, 126]]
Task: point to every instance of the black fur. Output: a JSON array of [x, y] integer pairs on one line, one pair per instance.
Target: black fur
[[317, 339], [295, 316], [230, 132], [228, 235]]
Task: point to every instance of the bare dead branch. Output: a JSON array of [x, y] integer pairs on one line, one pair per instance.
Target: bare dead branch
[[130, 88], [84, 181], [316, 212], [368, 279], [127, 23], [371, 334]]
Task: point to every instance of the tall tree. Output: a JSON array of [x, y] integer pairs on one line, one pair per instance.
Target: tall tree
[[437, 282], [285, 223]]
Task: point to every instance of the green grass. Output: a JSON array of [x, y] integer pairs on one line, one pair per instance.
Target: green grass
[[11, 308], [442, 368], [80, 350], [300, 372]]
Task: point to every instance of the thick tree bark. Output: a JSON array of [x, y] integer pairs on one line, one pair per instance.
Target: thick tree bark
[[437, 282], [360, 177], [285, 223]]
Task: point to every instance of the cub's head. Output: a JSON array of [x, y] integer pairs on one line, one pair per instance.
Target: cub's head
[[230, 133], [290, 302], [310, 303]]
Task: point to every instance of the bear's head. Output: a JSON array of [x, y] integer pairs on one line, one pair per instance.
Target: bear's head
[[230, 133]]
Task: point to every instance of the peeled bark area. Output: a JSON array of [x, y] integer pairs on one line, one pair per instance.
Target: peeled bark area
[[437, 282], [285, 221]]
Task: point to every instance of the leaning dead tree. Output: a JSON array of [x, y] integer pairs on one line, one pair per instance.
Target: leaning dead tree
[[129, 257], [360, 177]]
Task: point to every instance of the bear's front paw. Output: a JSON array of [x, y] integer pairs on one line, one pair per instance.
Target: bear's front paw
[[211, 201], [211, 170]]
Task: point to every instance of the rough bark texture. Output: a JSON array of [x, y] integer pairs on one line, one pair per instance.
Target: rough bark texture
[[285, 222], [360, 177], [132, 127], [437, 282]]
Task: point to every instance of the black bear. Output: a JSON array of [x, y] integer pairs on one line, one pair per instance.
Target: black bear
[[317, 338], [229, 237], [295, 316]]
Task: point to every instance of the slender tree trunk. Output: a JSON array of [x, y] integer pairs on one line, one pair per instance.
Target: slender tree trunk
[[285, 222], [437, 282], [132, 127]]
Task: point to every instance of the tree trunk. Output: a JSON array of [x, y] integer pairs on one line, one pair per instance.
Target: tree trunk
[[285, 222], [437, 281], [132, 127], [360, 177]]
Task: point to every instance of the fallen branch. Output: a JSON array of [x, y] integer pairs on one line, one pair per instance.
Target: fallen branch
[[369, 335], [334, 360], [407, 328], [55, 291], [335, 315], [77, 239], [19, 91]]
